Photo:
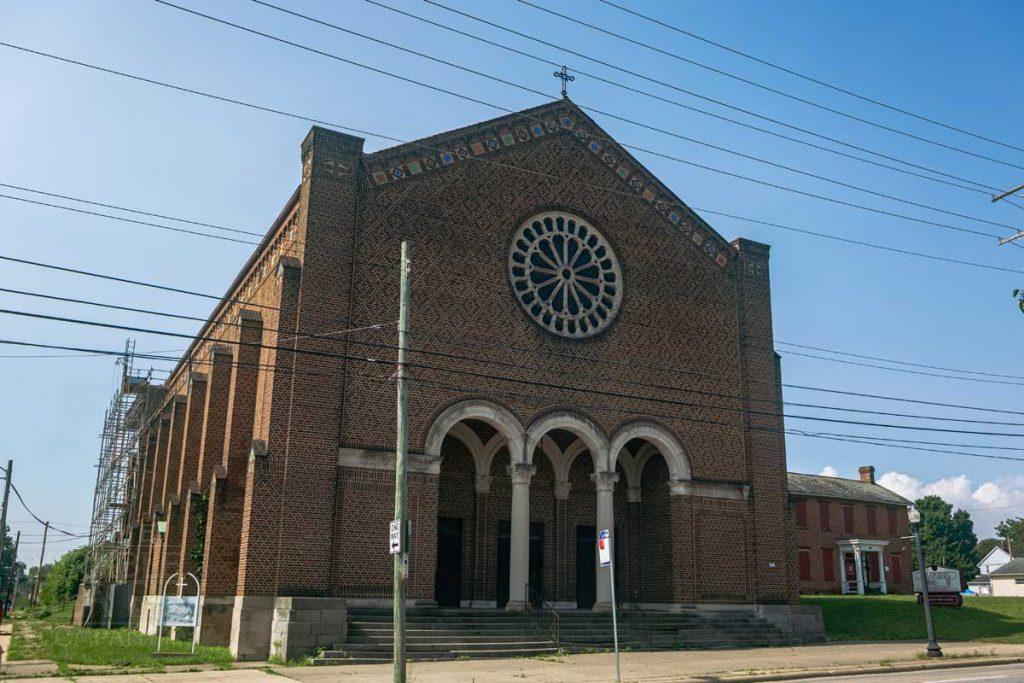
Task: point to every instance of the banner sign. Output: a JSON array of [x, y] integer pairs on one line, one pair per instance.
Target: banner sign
[[395, 536], [940, 580], [604, 547], [180, 611], [942, 599]]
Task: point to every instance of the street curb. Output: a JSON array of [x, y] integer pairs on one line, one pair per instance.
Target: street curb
[[861, 671]]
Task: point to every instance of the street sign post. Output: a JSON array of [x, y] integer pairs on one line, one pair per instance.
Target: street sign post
[[604, 555]]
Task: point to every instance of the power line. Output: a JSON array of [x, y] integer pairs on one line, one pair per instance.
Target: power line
[[811, 79], [496, 163], [467, 341], [151, 214], [637, 148], [767, 88], [493, 361], [34, 515], [901, 370], [479, 375], [704, 112], [196, 233]]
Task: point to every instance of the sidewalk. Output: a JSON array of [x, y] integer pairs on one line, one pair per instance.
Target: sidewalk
[[652, 667]]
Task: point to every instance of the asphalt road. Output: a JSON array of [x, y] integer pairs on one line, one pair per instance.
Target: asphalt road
[[1007, 673]]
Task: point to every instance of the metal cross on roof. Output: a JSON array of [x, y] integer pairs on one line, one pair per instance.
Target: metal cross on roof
[[563, 74]]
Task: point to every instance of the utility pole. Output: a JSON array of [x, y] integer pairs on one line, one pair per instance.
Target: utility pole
[[1003, 195], [3, 513], [914, 516], [34, 597], [401, 454], [10, 577]]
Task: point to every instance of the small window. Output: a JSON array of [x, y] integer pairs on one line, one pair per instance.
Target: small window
[[801, 513], [893, 522], [804, 561], [828, 571], [848, 519], [1019, 581], [824, 515], [872, 521]]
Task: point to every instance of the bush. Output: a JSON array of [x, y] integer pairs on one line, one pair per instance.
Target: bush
[[61, 583]]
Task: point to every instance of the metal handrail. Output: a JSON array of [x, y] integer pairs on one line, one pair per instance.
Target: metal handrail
[[555, 624]]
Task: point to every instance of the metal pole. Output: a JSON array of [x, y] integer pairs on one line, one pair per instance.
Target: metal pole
[[615, 614], [933, 647], [3, 513], [34, 598], [401, 453], [1003, 195]]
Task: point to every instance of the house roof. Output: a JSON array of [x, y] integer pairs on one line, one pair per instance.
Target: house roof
[[991, 552], [843, 489], [1012, 567]]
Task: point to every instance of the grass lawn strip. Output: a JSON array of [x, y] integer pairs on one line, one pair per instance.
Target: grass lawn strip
[[899, 617]]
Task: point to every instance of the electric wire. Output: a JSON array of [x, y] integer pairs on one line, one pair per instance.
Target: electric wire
[[34, 515], [637, 148], [767, 88], [811, 79], [500, 164]]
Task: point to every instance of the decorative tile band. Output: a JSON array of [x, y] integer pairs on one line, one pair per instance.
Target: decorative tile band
[[487, 140]]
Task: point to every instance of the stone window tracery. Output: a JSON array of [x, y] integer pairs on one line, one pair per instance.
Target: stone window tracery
[[565, 275]]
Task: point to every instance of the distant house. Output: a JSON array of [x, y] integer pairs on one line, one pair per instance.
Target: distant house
[[848, 535], [1008, 580], [996, 558]]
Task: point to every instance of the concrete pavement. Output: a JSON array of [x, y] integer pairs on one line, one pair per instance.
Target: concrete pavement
[[652, 667], [1010, 673]]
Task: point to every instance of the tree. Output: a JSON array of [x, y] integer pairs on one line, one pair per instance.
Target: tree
[[1018, 294], [61, 583], [948, 537], [1012, 529]]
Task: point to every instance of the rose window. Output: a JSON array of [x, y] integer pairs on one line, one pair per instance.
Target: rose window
[[565, 275]]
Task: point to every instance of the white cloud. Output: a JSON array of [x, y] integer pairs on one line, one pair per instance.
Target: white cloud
[[829, 471], [1004, 496]]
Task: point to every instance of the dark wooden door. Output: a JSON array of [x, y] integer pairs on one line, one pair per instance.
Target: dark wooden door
[[586, 569], [448, 578]]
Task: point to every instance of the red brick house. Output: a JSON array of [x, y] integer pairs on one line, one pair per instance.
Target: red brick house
[[849, 535], [588, 353]]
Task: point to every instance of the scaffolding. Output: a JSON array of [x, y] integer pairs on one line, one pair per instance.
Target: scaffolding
[[117, 470]]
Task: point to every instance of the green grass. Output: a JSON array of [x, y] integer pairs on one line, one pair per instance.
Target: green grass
[[50, 636], [899, 617]]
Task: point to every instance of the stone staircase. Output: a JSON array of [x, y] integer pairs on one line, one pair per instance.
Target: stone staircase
[[434, 633]]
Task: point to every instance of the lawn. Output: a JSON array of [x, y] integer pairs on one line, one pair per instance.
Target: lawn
[[50, 636], [899, 617]]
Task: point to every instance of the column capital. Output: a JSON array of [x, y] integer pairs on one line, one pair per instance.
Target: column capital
[[562, 490], [483, 483], [605, 481], [521, 473]]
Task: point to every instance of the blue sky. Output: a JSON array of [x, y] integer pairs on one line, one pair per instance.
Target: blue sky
[[80, 133]]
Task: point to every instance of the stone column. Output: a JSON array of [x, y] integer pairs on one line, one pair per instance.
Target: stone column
[[565, 543], [605, 484], [519, 541], [481, 543]]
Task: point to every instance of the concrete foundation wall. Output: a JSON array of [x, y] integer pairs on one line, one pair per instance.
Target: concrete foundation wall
[[251, 619], [215, 620], [301, 626], [801, 621]]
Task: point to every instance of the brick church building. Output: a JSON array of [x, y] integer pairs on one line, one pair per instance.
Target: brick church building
[[586, 352]]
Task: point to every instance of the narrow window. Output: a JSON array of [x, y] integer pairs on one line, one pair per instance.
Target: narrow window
[[872, 521], [848, 519], [893, 522], [824, 516], [804, 558], [896, 565], [801, 513], [828, 571]]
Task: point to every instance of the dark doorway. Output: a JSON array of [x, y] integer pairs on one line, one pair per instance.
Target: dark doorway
[[536, 571], [586, 570], [448, 578]]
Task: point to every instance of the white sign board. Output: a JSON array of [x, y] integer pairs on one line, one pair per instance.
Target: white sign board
[[180, 611], [395, 536], [940, 580], [604, 547]]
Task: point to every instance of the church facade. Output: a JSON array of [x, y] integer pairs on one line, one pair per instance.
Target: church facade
[[585, 353]]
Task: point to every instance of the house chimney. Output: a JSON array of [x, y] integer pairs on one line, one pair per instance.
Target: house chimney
[[867, 474]]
